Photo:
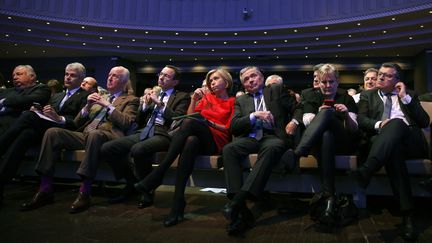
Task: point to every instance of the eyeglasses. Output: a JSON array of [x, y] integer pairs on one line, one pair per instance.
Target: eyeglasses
[[161, 74], [370, 78], [386, 75]]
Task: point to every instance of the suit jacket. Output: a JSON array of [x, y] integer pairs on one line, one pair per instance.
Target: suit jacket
[[277, 101], [71, 107], [306, 94], [177, 105], [371, 108], [120, 120], [19, 100]]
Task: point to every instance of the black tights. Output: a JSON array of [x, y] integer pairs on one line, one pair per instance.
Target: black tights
[[193, 138]]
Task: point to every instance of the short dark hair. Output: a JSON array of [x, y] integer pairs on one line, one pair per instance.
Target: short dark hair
[[395, 66], [177, 72]]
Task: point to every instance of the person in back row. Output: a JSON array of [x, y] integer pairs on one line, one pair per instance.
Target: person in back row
[[205, 134]]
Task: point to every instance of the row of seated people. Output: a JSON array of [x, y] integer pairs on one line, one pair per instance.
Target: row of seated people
[[262, 121]]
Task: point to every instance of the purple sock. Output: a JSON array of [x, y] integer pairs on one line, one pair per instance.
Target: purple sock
[[46, 184], [86, 185]]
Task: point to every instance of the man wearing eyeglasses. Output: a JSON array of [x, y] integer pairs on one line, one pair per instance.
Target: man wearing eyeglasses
[[154, 120], [392, 118]]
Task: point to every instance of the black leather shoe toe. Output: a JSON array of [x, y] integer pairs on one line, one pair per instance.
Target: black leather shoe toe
[[145, 199], [39, 200], [81, 203], [173, 220]]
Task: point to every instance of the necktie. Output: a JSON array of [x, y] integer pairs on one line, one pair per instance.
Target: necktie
[[387, 107], [257, 130], [66, 97], [148, 130], [99, 118]]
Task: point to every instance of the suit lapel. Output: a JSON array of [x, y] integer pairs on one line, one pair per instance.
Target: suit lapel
[[267, 92], [171, 98]]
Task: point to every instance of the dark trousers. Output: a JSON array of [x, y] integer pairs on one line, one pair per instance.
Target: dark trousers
[[26, 131], [118, 151], [270, 148], [390, 148], [328, 137], [193, 138]]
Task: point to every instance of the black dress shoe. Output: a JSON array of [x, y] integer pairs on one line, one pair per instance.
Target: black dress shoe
[[329, 215], [409, 231], [230, 211], [176, 214], [241, 223], [145, 199], [426, 185], [39, 200], [290, 161], [127, 192], [81, 203]]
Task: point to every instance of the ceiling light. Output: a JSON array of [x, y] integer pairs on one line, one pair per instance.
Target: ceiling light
[[285, 41], [25, 52], [336, 55], [196, 58], [430, 11], [83, 43], [115, 30], [47, 40], [48, 23], [118, 46], [176, 33], [373, 42], [212, 50], [9, 17], [133, 40], [146, 32], [225, 42], [317, 38], [249, 57], [410, 38], [366, 55], [221, 58], [384, 31], [277, 57], [255, 42], [243, 50], [274, 49], [100, 37], [265, 32], [326, 27], [339, 45], [235, 33], [6, 35], [306, 56], [295, 31], [181, 49], [393, 19], [82, 27], [349, 36], [43, 51], [28, 30], [164, 41], [358, 24], [150, 48], [206, 34], [66, 34], [16, 44], [170, 59], [421, 26], [306, 47]]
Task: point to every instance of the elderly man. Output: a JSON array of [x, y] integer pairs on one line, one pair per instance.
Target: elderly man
[[103, 118], [155, 114], [392, 117], [31, 125], [258, 125], [273, 79], [15, 100]]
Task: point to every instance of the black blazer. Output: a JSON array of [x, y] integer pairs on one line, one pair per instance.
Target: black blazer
[[371, 108], [177, 105], [71, 107], [19, 100], [277, 101]]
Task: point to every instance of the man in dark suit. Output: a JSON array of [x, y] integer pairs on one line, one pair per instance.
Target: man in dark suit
[[392, 117], [21, 97], [258, 125], [29, 128], [103, 118], [142, 148]]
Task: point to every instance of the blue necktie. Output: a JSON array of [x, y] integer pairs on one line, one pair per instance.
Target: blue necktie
[[148, 130], [66, 97]]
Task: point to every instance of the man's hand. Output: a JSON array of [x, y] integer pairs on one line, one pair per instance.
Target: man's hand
[[291, 128], [95, 98], [51, 113], [383, 123], [265, 116], [198, 94], [401, 88]]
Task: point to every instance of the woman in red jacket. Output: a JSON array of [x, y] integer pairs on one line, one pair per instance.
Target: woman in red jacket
[[203, 134]]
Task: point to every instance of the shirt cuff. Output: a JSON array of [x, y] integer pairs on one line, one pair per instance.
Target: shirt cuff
[[377, 125], [110, 109], [406, 99]]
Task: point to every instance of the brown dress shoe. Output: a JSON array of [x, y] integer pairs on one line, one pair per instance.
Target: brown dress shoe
[[39, 200], [81, 203]]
